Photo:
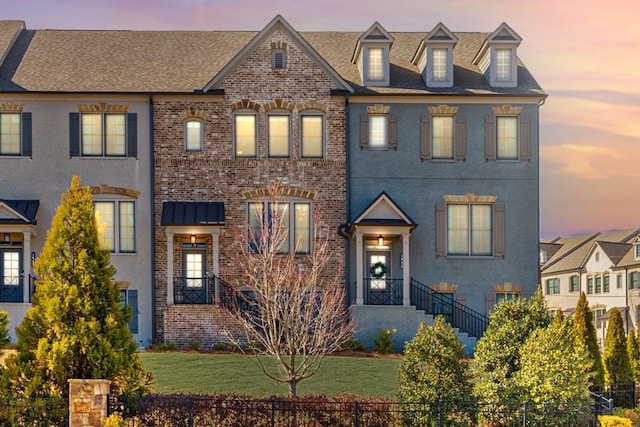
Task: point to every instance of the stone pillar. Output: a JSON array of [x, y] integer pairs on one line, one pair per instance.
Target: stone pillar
[[88, 402], [169, 267]]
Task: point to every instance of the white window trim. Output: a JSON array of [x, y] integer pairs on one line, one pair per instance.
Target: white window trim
[[186, 136], [517, 143]]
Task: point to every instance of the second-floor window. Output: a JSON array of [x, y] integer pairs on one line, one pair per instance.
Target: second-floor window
[[116, 224], [278, 135], [193, 135], [103, 135], [442, 137], [469, 230], [10, 134], [245, 135], [634, 282], [312, 136], [574, 284]]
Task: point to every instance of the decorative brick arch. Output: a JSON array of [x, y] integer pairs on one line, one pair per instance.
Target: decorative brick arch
[[312, 104], [192, 113], [279, 104], [281, 191], [120, 191], [507, 109], [103, 107], [245, 104]]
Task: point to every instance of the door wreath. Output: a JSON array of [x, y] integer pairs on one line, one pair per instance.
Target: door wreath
[[378, 270]]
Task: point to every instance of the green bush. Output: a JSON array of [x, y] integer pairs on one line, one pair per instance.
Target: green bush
[[163, 346], [617, 366], [194, 345], [4, 329], [434, 369], [353, 345], [384, 342], [630, 414]]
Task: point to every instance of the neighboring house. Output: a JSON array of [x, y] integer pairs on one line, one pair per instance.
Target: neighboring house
[[64, 111], [418, 152], [604, 266]]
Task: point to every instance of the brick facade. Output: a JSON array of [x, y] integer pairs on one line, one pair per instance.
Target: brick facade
[[214, 174]]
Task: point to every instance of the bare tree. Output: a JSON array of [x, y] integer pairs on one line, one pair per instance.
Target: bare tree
[[290, 306]]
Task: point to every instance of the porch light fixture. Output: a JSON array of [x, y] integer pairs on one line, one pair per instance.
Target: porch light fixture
[[192, 239], [380, 240], [7, 238]]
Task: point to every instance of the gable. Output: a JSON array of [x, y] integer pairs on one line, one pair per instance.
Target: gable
[[383, 209], [18, 211], [256, 56]]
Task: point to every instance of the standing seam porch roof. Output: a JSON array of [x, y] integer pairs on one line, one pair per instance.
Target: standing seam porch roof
[[81, 61]]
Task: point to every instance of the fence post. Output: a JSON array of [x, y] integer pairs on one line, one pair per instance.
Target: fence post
[[88, 402], [357, 415], [524, 414]]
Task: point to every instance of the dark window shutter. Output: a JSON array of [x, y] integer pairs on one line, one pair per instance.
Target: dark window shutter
[[490, 301], [425, 138], [460, 138], [74, 134], [499, 230], [132, 135], [490, 138], [26, 135], [393, 131], [364, 131], [132, 300], [441, 230], [525, 138]]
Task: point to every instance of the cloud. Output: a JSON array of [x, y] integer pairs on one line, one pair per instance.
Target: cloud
[[584, 161]]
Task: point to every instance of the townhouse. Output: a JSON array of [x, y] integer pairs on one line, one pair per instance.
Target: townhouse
[[417, 152]]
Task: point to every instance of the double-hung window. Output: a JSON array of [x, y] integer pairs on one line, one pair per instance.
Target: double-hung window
[[553, 286], [10, 134], [634, 282], [116, 224], [193, 135], [378, 131], [598, 284], [293, 222], [245, 134], [278, 135], [574, 283], [605, 283], [590, 285], [469, 229], [103, 134], [442, 137], [507, 138], [506, 296], [312, 135]]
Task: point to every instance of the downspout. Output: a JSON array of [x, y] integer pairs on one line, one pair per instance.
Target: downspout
[[344, 227], [540, 104], [153, 218]]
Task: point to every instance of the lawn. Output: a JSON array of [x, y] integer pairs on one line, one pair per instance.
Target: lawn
[[208, 373]]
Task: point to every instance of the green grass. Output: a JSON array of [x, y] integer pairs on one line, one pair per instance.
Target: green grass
[[206, 373]]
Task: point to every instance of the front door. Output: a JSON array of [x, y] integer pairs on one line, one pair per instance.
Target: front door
[[10, 268], [194, 280], [379, 271]]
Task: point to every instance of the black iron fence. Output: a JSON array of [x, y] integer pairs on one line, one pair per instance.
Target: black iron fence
[[194, 411], [622, 395], [34, 412]]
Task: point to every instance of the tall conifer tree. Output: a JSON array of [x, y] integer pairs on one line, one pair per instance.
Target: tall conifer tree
[[616, 357], [586, 334], [76, 327]]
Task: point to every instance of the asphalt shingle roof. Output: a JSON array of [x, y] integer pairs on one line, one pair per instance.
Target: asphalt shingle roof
[[185, 61]]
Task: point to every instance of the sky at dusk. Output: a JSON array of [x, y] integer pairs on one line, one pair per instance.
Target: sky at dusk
[[585, 55]]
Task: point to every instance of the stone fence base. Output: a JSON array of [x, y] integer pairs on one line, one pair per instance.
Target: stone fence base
[[88, 402]]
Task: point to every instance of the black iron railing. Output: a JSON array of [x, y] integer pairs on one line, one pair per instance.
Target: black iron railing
[[190, 290], [458, 315], [383, 291], [622, 395]]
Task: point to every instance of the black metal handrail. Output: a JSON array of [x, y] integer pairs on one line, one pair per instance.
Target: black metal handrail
[[385, 291], [459, 316], [193, 290]]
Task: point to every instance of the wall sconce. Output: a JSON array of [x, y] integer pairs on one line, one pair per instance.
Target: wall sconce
[[7, 237], [192, 239], [380, 240]]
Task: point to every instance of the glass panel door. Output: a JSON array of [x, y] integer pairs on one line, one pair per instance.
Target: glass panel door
[[195, 289], [11, 280], [378, 269], [194, 268]]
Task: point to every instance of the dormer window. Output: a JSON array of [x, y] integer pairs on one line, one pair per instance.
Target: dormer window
[[372, 56], [637, 248], [497, 57], [439, 65], [434, 57], [375, 70]]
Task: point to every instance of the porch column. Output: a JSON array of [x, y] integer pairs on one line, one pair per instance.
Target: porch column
[[359, 269], [215, 236], [170, 235], [26, 265], [406, 271]]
